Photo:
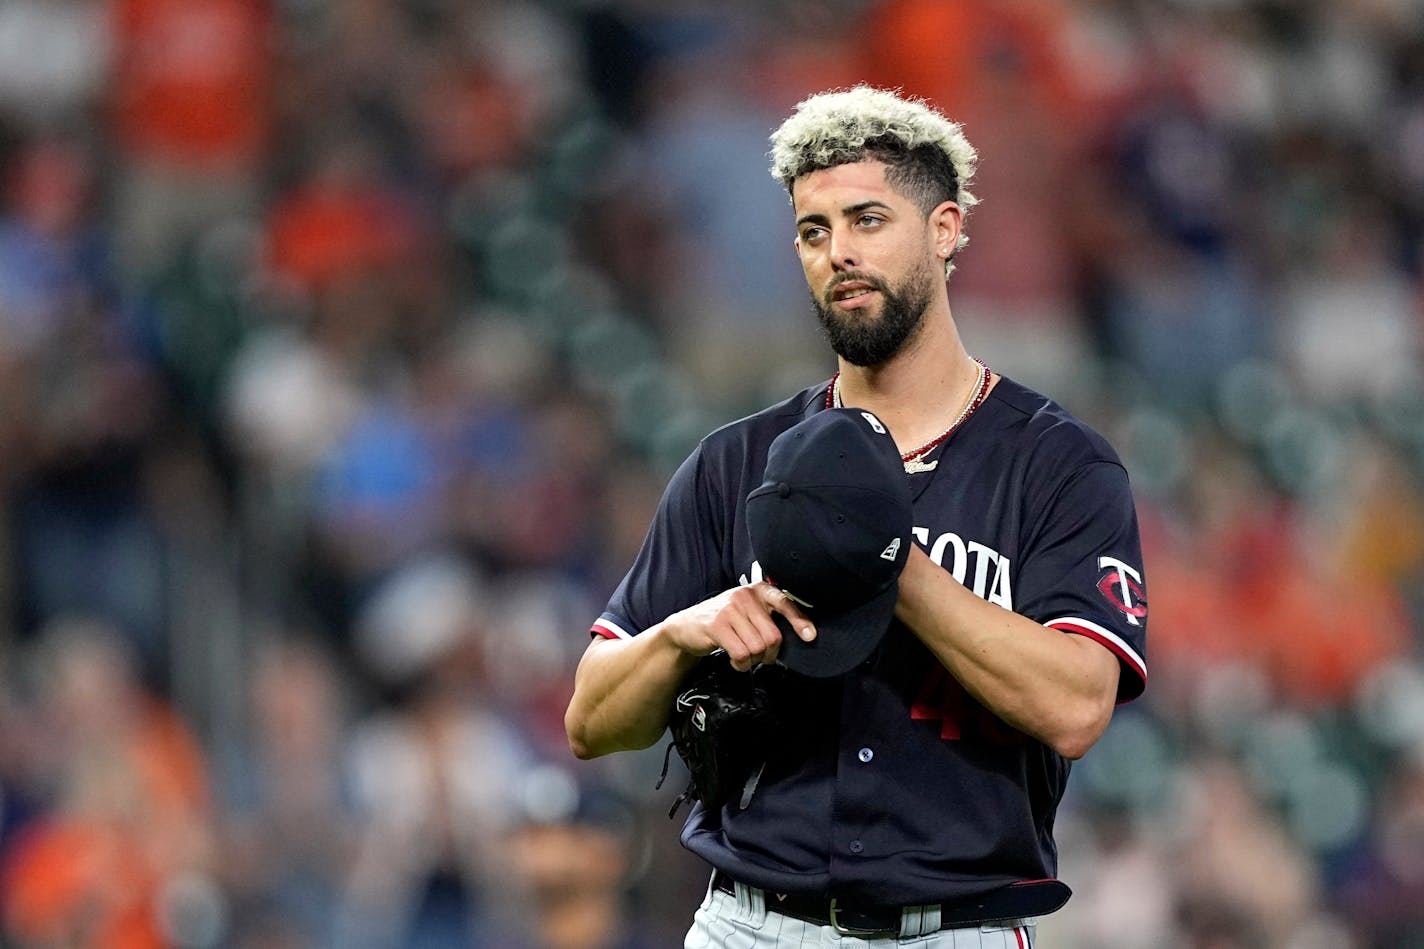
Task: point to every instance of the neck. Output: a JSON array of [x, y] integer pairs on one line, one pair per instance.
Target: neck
[[921, 389]]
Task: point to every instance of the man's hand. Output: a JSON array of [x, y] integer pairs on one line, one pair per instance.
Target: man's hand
[[623, 688], [738, 621]]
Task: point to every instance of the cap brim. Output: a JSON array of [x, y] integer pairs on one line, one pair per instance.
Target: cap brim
[[843, 641]]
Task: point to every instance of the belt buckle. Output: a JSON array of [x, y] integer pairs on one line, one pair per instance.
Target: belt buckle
[[850, 930]]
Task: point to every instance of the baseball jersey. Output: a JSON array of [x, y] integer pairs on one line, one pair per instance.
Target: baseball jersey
[[891, 784]]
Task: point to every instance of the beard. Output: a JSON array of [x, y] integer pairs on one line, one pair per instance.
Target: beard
[[864, 340]]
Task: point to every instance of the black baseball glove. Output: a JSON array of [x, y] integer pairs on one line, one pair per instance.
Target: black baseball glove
[[722, 723]]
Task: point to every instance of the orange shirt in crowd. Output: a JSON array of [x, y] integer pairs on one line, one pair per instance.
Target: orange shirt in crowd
[[91, 874], [1252, 597], [192, 80], [327, 230]]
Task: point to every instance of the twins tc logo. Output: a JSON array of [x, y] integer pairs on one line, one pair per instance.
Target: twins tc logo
[[1122, 585]]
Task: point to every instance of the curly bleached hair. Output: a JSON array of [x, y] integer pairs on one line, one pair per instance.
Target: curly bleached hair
[[929, 160]]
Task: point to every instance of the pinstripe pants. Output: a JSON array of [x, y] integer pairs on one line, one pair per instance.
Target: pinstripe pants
[[724, 921]]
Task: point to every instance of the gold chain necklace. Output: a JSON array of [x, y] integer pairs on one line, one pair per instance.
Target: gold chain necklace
[[914, 460]]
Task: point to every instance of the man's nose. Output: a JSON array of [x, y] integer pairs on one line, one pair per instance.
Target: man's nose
[[844, 254]]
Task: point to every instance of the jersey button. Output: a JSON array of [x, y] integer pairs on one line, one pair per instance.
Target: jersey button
[[866, 754], [856, 846]]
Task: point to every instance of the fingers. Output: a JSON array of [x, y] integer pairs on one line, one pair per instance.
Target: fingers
[[745, 628], [759, 635], [742, 623], [787, 607]]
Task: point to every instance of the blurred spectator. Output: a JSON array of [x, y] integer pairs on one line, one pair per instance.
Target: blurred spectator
[[1206, 549], [123, 854], [573, 854], [433, 771], [288, 812], [1180, 298], [1123, 891], [1240, 879], [190, 102], [82, 410]]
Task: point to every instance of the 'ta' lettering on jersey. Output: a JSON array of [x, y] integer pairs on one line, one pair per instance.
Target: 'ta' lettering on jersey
[[977, 566]]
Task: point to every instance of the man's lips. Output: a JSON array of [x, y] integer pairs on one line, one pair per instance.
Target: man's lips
[[851, 289]]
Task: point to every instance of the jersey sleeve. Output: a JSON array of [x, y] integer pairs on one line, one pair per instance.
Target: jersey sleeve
[[1082, 570], [677, 564]]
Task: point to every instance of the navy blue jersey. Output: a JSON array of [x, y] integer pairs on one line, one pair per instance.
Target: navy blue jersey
[[891, 784]]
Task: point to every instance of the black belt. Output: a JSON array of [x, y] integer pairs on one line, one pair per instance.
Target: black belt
[[1016, 901]]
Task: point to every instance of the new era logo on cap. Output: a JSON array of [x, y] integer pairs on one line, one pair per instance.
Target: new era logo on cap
[[830, 525]]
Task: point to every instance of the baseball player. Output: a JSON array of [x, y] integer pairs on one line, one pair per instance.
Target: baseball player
[[911, 799]]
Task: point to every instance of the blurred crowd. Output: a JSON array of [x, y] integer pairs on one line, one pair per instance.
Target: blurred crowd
[[346, 345]]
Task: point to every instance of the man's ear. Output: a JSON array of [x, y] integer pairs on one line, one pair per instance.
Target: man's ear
[[946, 221]]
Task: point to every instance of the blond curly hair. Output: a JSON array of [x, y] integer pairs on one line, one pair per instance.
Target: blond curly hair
[[929, 160]]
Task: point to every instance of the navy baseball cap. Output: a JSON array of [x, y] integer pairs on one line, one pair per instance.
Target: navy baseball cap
[[830, 525]]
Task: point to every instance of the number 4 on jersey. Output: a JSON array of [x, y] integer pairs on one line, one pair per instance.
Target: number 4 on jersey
[[942, 698]]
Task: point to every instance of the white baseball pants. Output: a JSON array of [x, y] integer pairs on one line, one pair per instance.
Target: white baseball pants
[[743, 921]]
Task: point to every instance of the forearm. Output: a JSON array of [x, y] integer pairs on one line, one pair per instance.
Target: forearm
[[623, 689], [1054, 686]]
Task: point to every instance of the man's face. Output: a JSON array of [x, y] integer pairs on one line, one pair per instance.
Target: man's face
[[869, 260]]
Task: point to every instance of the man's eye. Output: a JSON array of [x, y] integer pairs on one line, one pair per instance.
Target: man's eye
[[869, 220], [812, 234]]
